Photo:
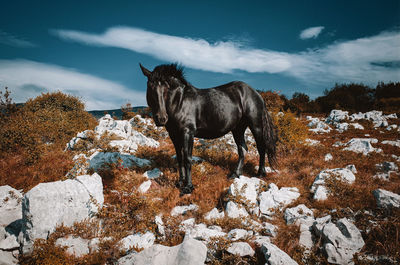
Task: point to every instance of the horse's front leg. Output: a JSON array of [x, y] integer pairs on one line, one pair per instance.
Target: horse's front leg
[[178, 144], [188, 136]]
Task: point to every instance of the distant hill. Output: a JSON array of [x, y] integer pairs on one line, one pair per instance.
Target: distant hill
[[113, 112]]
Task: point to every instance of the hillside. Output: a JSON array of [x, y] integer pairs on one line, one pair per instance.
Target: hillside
[[334, 198]]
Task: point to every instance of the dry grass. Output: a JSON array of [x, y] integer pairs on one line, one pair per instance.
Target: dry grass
[[126, 211]]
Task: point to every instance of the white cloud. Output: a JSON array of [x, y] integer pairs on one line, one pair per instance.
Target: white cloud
[[346, 61], [312, 32], [195, 53], [27, 79], [11, 40]]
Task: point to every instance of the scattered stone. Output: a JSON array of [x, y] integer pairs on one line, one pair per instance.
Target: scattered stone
[[341, 127], [153, 174], [233, 210], [187, 224], [319, 188], [76, 246], [214, 214], [394, 143], [145, 186], [352, 168], [181, 210], [51, 204], [246, 187], [362, 145], [311, 142], [357, 126], [328, 157], [259, 240], [386, 199], [190, 251], [160, 225], [391, 127], [318, 126], [241, 248], [202, 232], [137, 241], [275, 256], [269, 229], [237, 234], [385, 170], [306, 236], [299, 212], [275, 198], [337, 116]]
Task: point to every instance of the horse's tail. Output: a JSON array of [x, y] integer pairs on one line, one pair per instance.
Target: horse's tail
[[270, 132]]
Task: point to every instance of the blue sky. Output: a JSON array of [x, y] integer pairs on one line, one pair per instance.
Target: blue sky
[[92, 48]]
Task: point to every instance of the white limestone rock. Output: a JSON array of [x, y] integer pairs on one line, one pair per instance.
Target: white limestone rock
[[318, 126], [246, 187], [394, 143], [362, 145], [237, 234], [160, 226], [337, 116], [181, 210], [275, 198], [341, 241], [76, 246], [328, 157], [153, 174], [318, 187], [10, 205], [51, 204], [240, 248], [137, 241], [311, 142], [214, 214], [190, 251], [107, 124], [202, 232], [234, 210], [275, 256], [386, 199], [299, 212], [145, 186], [7, 258]]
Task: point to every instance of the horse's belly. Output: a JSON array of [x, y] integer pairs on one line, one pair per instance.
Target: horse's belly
[[210, 134]]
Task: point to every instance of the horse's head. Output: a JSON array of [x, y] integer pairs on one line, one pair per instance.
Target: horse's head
[[162, 86], [156, 95]]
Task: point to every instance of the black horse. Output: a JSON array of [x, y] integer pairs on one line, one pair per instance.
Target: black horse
[[188, 112]]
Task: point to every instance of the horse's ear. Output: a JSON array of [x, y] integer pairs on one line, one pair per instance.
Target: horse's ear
[[145, 71]]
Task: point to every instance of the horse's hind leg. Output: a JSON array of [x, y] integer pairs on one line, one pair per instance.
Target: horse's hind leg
[[238, 135], [260, 142]]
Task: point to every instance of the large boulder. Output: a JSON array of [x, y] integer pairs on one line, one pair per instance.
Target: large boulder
[[99, 159], [362, 145], [190, 251], [341, 241], [75, 246], [51, 204], [107, 124]]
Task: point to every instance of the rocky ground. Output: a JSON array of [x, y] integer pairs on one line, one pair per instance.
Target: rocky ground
[[334, 199]]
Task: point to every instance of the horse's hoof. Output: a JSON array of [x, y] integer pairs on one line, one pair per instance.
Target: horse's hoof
[[187, 190], [233, 176], [261, 174]]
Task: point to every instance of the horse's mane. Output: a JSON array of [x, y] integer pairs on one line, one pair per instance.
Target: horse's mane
[[165, 71]]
